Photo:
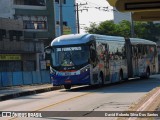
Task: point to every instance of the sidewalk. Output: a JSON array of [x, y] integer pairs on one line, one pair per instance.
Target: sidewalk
[[17, 91]]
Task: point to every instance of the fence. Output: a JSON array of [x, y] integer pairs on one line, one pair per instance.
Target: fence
[[8, 79]]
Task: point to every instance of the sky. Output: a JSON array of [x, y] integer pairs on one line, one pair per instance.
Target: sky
[[98, 11]]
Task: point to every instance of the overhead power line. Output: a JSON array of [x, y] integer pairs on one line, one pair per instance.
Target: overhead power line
[[77, 11]]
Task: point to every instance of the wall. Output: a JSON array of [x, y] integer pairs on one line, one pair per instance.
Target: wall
[[11, 24], [8, 79], [6, 10], [21, 46]]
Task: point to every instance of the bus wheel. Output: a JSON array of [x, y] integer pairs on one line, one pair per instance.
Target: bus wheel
[[121, 75], [147, 73], [67, 87]]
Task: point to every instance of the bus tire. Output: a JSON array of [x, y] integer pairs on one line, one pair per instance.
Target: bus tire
[[121, 75], [147, 73], [67, 87]]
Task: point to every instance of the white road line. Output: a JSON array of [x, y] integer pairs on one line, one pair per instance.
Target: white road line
[[146, 104]]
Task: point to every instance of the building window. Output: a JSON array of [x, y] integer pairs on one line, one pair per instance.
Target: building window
[[64, 23], [64, 1], [30, 2], [37, 25], [57, 22], [58, 1]]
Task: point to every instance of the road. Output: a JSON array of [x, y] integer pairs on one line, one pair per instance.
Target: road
[[87, 99]]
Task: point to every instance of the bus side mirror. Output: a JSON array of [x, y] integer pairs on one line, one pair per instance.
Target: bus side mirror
[[48, 51]]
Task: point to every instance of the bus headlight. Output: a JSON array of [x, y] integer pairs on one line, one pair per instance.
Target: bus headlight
[[85, 70]]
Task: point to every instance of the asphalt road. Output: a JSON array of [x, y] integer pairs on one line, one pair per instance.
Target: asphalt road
[[114, 97]]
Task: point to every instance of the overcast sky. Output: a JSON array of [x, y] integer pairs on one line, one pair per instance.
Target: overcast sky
[[97, 12]]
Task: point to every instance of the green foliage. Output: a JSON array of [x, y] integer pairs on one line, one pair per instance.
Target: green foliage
[[144, 30]]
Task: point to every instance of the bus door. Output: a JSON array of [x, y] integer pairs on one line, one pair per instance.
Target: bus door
[[135, 61], [94, 62]]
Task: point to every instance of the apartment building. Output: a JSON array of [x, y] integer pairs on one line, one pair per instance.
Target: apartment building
[[26, 26], [41, 18], [32, 24]]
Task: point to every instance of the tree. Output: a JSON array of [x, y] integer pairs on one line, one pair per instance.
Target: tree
[[144, 30], [124, 28], [92, 29], [104, 28]]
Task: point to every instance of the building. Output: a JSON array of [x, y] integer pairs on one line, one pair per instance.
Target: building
[[21, 61], [40, 16], [119, 16], [17, 54], [68, 15], [25, 25]]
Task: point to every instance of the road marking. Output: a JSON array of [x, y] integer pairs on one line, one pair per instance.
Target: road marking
[[146, 104], [62, 101], [51, 105]]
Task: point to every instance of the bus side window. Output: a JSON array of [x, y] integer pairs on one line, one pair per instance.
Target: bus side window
[[123, 52], [155, 50], [134, 51], [139, 51], [107, 52], [144, 50]]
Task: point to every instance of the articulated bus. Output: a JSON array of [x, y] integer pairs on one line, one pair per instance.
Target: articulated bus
[[91, 59], [158, 49]]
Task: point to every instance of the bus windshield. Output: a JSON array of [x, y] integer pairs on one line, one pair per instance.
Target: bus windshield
[[70, 56]]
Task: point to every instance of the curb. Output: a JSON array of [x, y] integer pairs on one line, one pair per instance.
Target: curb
[[29, 92]]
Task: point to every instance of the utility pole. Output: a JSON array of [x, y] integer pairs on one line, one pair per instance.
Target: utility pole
[[77, 11], [78, 26], [61, 17]]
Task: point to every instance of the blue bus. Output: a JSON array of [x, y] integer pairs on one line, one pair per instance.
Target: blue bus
[[91, 59]]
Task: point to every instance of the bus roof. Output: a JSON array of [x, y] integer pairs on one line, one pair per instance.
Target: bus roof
[[73, 39], [136, 41], [109, 38]]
